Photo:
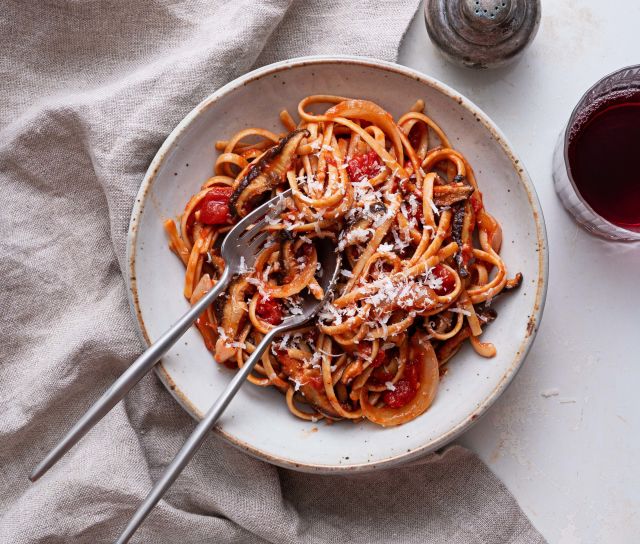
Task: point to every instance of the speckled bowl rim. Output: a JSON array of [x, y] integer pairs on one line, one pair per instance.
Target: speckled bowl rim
[[541, 240]]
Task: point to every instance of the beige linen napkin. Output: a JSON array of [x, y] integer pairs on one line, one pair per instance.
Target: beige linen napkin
[[89, 90]]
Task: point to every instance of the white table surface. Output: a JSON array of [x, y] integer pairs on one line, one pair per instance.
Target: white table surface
[[571, 460]]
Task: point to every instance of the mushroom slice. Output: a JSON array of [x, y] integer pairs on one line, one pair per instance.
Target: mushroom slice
[[265, 173], [235, 310], [446, 195]]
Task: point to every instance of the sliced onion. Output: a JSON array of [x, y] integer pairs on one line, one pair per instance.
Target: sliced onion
[[422, 350], [204, 286]]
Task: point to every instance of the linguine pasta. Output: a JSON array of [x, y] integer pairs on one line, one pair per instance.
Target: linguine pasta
[[420, 258]]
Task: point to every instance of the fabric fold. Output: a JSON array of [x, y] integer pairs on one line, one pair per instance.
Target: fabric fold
[[89, 92]]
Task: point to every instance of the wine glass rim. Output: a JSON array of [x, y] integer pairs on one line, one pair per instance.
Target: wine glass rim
[[629, 235]]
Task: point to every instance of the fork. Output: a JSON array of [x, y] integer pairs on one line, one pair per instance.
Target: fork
[[241, 245], [330, 267], [243, 241]]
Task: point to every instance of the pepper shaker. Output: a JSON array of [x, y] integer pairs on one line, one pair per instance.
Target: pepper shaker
[[482, 33]]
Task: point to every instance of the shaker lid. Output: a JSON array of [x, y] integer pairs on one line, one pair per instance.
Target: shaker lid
[[482, 33]]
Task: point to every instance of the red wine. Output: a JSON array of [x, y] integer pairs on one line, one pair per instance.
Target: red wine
[[604, 158]]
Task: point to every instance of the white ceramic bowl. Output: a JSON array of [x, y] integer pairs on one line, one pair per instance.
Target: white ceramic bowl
[[258, 420]]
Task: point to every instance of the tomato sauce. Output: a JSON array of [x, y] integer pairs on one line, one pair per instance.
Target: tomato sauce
[[467, 253], [476, 202], [381, 375], [379, 359], [414, 136]]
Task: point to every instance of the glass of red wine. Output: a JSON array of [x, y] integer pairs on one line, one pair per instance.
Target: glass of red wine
[[596, 163]]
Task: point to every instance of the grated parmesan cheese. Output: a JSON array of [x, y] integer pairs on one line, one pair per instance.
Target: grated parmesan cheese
[[433, 207], [433, 281], [329, 354], [293, 305], [316, 360], [259, 285], [227, 341], [266, 272], [243, 268], [329, 313], [459, 311]]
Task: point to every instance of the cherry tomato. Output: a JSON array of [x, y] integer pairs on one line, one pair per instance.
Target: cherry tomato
[[381, 374], [269, 310], [363, 166], [214, 207], [400, 396], [405, 388], [315, 381], [412, 373], [448, 280]]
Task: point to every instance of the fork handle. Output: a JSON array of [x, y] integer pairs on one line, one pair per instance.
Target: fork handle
[[129, 378], [194, 442]]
